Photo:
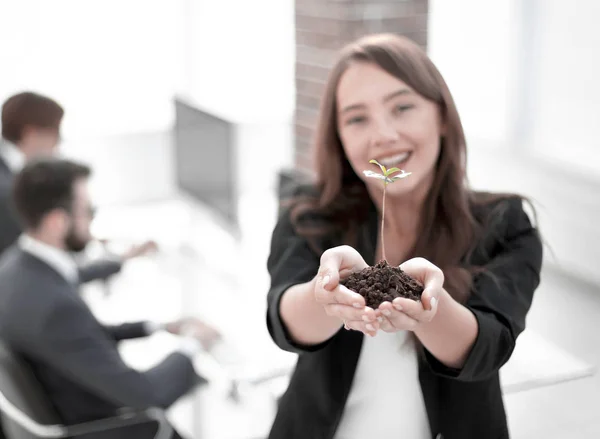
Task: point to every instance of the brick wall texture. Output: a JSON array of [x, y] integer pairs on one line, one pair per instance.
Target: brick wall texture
[[325, 26]]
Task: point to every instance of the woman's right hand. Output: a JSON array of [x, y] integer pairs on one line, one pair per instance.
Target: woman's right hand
[[338, 301]]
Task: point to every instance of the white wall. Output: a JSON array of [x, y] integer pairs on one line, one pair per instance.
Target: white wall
[[127, 168], [524, 75], [240, 57], [114, 65], [471, 42], [567, 90]]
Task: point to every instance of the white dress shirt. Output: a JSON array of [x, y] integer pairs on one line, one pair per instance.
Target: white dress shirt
[[12, 156], [58, 259]]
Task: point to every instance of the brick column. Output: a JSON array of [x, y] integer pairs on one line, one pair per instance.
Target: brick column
[[325, 26]]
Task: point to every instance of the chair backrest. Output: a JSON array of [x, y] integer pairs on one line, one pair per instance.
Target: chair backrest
[[22, 397]]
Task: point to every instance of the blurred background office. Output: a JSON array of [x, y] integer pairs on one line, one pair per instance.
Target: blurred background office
[[194, 112]]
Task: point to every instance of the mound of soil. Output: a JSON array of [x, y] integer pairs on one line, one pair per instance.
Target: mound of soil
[[383, 283]]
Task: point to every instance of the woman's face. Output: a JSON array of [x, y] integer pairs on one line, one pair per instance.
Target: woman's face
[[382, 118]]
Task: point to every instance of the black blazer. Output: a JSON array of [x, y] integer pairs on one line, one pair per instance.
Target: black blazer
[[460, 404], [75, 358], [10, 230], [9, 226]]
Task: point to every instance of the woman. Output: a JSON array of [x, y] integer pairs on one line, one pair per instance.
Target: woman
[[427, 369]]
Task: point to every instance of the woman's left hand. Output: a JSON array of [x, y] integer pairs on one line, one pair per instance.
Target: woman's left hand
[[406, 314]]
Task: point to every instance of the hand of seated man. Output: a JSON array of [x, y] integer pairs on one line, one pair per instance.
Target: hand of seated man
[[207, 335]]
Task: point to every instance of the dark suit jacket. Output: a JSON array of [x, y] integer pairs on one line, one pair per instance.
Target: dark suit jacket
[[460, 404], [75, 358], [10, 230], [9, 226]]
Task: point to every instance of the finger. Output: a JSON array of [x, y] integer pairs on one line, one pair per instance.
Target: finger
[[327, 279], [385, 310], [398, 319], [425, 272], [340, 295], [430, 298], [345, 272], [343, 312], [414, 309], [339, 259], [386, 326], [346, 312], [346, 296], [366, 328]]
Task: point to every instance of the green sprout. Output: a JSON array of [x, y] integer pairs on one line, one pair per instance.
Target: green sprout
[[386, 176]]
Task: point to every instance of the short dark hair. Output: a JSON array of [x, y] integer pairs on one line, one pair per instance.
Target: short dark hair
[[29, 109], [44, 185]]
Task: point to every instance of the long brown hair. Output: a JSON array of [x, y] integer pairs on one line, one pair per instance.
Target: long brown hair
[[448, 228]]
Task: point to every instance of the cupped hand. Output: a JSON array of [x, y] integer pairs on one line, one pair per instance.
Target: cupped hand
[[405, 314], [338, 301]]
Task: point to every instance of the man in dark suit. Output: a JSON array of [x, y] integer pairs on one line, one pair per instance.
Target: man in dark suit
[[43, 318], [30, 129]]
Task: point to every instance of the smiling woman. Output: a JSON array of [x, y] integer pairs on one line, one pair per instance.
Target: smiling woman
[[399, 128], [385, 100], [430, 362]]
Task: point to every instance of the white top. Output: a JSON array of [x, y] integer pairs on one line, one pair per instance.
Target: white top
[[14, 158], [386, 401], [56, 258]]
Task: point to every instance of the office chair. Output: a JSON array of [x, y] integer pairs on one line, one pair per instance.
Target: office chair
[[28, 414]]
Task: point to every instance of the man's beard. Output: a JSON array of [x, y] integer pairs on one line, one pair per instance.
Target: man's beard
[[74, 243]]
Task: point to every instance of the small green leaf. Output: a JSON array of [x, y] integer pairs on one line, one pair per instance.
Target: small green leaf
[[393, 170], [375, 162], [401, 176]]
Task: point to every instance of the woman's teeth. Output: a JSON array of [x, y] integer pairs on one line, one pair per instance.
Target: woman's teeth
[[395, 160]]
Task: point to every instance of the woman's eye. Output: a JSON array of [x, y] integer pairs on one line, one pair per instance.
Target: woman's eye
[[403, 108], [356, 120]]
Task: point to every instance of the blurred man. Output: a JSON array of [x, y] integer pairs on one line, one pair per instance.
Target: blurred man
[[74, 357], [30, 129]]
